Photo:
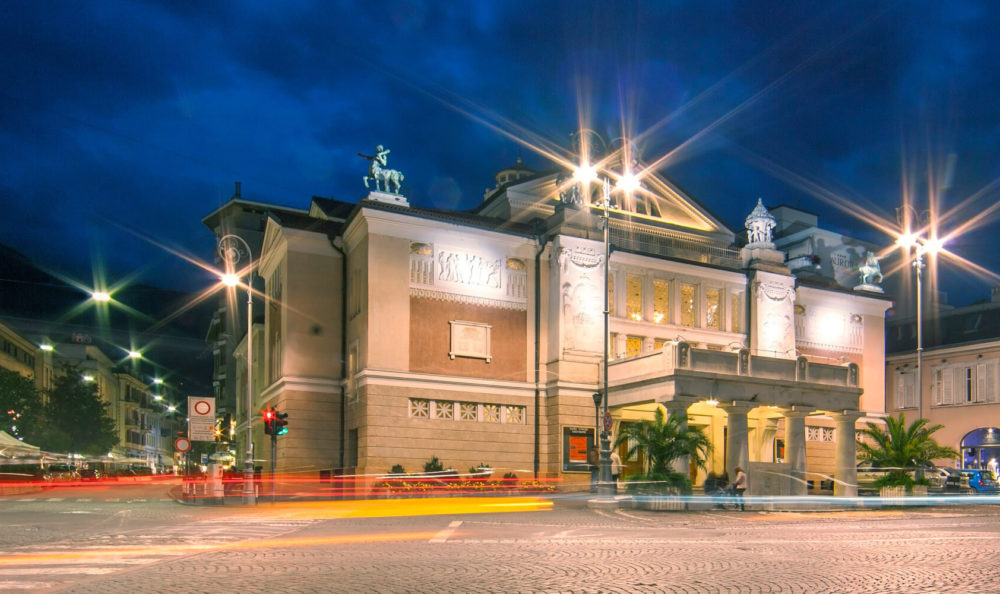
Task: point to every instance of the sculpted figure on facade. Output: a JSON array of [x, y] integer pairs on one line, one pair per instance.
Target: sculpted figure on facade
[[390, 179], [570, 195], [759, 225], [871, 272], [468, 269]]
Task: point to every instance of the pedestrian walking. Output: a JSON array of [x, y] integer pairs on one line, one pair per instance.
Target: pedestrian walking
[[739, 486], [616, 467]]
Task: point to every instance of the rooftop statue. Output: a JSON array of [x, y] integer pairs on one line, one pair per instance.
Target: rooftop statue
[[390, 179], [759, 225], [871, 272]]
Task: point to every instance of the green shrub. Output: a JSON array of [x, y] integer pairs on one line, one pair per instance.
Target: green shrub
[[658, 483], [433, 465], [397, 469]]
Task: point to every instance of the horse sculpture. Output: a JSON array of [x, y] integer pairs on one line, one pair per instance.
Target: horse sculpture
[[391, 179]]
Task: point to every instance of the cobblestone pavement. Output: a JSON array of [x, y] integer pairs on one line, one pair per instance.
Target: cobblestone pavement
[[570, 548]]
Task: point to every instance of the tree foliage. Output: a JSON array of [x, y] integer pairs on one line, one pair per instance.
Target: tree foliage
[[664, 440], [76, 420], [902, 448], [20, 403]]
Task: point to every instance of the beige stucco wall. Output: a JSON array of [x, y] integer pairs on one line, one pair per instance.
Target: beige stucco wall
[[391, 436]]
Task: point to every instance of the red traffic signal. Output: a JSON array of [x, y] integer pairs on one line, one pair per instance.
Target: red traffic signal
[[269, 416]]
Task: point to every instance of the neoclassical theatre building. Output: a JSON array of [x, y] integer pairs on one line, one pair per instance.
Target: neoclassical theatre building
[[392, 333]]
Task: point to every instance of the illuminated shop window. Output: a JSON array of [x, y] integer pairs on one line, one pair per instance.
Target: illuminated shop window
[[658, 343], [688, 311], [661, 301], [633, 297], [712, 310], [633, 346]]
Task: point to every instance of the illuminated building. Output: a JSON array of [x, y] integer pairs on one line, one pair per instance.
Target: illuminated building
[[395, 333]]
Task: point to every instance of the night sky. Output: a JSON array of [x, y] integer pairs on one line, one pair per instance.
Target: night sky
[[125, 123]]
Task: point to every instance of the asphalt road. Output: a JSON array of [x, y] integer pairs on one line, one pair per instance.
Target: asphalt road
[[135, 538]]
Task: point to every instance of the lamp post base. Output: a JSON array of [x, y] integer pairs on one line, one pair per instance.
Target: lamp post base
[[249, 484]]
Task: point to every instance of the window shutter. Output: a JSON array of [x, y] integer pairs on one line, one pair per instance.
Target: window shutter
[[947, 386], [938, 386], [900, 390], [986, 381]]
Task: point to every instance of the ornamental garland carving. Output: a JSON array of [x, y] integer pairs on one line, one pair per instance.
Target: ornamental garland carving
[[581, 257], [774, 291]]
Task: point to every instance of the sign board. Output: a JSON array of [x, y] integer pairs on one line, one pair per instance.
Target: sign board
[[576, 442], [182, 444], [201, 418], [607, 421]]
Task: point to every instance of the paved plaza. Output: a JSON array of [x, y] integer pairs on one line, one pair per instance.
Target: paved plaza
[[160, 546]]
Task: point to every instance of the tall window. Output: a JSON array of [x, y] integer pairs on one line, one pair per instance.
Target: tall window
[[737, 312], [633, 346], [633, 297], [688, 305], [713, 302], [906, 393], [661, 301]]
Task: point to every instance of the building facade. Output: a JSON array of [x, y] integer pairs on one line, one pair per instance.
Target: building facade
[[393, 334], [960, 380]]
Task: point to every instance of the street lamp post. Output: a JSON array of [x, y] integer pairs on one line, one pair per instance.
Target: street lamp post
[[605, 487], [231, 255], [585, 174], [921, 246]]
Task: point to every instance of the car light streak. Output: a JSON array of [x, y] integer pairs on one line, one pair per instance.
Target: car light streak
[[186, 549]]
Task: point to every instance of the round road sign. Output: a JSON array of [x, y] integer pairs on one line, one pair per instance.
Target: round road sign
[[202, 407], [182, 444]]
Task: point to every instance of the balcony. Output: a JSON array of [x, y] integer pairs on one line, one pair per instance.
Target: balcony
[[681, 372]]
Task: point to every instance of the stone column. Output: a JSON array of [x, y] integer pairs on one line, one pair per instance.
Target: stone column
[[795, 449], [845, 461], [737, 434]]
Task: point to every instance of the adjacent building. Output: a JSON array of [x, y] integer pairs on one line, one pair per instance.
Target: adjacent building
[[959, 384]]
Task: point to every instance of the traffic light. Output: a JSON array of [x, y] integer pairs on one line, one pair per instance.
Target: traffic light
[[280, 424], [269, 421]]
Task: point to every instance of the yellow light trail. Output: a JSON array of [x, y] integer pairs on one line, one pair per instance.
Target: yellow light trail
[[317, 510]]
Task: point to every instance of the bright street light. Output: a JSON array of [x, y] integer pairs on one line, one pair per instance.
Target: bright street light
[[101, 296], [228, 248], [133, 354], [921, 246]]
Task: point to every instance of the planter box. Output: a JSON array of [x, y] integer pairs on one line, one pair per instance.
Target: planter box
[[919, 491], [892, 495], [670, 501]]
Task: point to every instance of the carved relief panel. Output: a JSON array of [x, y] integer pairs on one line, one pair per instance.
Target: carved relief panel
[[579, 267], [772, 310], [471, 276]]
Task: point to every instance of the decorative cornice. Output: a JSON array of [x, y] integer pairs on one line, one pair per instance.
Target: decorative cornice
[[468, 299]]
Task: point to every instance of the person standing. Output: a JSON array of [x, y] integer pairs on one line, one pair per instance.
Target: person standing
[[616, 467], [739, 486]]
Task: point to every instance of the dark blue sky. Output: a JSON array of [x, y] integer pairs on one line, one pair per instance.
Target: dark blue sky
[[141, 115]]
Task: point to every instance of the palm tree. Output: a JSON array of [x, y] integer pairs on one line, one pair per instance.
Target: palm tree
[[902, 448], [664, 440]]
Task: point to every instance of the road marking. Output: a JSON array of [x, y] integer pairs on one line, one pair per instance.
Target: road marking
[[447, 532], [55, 499]]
